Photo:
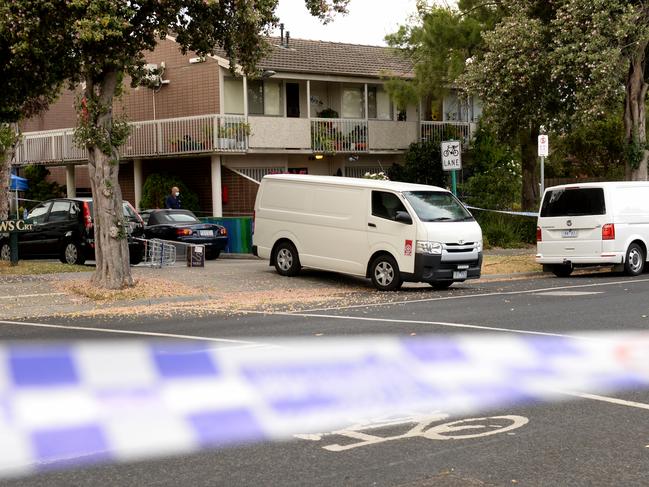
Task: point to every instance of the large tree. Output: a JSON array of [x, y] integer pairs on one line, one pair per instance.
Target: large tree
[[31, 73], [104, 40]]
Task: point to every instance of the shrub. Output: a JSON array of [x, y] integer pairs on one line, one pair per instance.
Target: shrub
[[158, 186], [508, 231], [423, 165]]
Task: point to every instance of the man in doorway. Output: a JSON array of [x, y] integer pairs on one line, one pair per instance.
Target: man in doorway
[[172, 201]]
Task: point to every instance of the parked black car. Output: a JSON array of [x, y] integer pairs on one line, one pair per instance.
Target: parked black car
[[183, 226], [63, 228]]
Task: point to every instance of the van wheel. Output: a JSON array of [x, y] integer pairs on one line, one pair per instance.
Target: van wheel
[[441, 285], [287, 262], [562, 270], [634, 261], [5, 252], [385, 274], [72, 254]]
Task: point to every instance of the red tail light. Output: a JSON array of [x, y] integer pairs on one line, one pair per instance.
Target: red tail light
[[223, 231], [539, 235], [87, 216], [608, 232], [182, 232]]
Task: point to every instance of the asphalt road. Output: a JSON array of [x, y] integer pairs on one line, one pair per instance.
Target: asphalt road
[[578, 442]]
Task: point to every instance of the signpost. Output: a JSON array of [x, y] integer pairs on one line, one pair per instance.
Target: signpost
[[452, 160], [13, 228], [544, 149]]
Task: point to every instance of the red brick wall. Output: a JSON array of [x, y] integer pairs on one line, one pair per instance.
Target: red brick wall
[[241, 194]]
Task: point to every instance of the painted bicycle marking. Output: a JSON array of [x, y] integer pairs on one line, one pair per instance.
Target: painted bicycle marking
[[366, 432]]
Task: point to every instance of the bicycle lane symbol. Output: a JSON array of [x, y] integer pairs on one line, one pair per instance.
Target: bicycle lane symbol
[[423, 427]]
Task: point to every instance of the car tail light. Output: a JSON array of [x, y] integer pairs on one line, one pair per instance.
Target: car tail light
[[181, 232], [608, 232], [223, 231], [539, 234], [87, 216]]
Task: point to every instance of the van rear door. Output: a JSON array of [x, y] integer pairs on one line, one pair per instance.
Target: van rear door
[[571, 221]]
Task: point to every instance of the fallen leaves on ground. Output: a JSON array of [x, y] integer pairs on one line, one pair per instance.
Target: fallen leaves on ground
[[31, 267], [144, 288]]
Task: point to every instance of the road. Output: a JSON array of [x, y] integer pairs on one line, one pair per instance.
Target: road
[[598, 440]]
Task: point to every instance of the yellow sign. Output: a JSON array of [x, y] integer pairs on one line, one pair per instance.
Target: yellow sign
[[15, 226]]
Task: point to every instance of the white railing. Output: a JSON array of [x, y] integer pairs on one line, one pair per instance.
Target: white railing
[[359, 172], [447, 131], [257, 173], [339, 135], [204, 133]]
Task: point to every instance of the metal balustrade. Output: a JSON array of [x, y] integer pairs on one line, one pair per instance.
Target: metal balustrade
[[204, 133], [447, 131], [339, 135]]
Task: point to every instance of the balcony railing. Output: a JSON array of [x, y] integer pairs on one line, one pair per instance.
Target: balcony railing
[[339, 135], [448, 131], [205, 133]]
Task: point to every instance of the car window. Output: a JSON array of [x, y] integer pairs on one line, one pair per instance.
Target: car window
[[128, 211], [60, 212], [176, 218], [386, 205], [38, 214], [573, 202], [437, 206]]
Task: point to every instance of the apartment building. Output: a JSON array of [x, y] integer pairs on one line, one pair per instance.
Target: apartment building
[[317, 108]]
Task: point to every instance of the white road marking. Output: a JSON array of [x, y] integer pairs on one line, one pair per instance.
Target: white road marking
[[481, 295], [569, 293], [611, 400], [244, 343], [17, 296]]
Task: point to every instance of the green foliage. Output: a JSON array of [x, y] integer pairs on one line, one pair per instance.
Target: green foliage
[[496, 180], [506, 231], [423, 165], [158, 186], [39, 188], [328, 113]]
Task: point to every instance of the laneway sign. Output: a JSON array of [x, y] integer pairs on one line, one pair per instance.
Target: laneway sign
[[544, 146], [451, 155]]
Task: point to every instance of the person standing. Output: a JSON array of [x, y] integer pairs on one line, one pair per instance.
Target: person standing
[[172, 201]]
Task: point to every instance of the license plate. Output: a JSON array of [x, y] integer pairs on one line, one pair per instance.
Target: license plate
[[569, 234], [459, 275], [206, 233]]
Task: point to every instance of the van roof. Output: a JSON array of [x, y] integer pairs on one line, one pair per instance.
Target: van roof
[[365, 183], [602, 184]]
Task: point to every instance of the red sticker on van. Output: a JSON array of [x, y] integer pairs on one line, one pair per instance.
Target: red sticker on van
[[408, 249]]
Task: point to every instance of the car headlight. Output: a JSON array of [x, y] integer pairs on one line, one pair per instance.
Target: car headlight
[[479, 246], [428, 247]]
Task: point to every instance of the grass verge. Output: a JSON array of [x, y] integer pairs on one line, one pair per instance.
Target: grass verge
[[509, 264], [30, 267]]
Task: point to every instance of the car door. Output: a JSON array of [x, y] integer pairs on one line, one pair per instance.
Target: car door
[[384, 233], [58, 227], [30, 244]]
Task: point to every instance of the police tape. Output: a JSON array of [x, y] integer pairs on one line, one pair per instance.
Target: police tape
[[506, 212], [72, 405]]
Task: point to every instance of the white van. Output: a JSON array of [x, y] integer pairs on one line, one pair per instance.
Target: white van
[[388, 231], [594, 224]]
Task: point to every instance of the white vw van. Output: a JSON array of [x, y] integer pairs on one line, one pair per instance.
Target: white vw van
[[594, 224], [388, 231]]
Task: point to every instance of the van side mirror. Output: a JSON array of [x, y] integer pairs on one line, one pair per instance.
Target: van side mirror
[[403, 217]]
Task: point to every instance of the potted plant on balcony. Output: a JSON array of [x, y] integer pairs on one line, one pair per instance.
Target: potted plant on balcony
[[232, 135]]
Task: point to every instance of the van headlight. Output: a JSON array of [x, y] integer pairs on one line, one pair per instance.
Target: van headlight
[[479, 246], [428, 247]]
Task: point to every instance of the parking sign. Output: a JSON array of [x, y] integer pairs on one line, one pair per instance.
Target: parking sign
[[544, 146], [451, 155]]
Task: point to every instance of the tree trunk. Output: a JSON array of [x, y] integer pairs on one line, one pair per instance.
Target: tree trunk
[[6, 156], [111, 248], [528, 139], [635, 118]]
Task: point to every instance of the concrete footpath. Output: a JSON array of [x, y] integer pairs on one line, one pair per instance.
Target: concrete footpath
[[230, 283]]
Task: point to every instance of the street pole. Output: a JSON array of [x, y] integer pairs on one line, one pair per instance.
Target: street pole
[[454, 183], [542, 175]]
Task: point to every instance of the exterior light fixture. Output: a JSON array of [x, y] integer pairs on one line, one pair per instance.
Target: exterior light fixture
[[319, 156]]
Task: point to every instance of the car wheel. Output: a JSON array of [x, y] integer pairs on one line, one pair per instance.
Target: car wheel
[[562, 270], [287, 262], [634, 261], [136, 256], [5, 252], [385, 274], [441, 285], [72, 254], [212, 255]]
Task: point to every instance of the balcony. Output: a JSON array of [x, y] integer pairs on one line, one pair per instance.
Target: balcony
[[339, 135], [463, 131], [187, 135]]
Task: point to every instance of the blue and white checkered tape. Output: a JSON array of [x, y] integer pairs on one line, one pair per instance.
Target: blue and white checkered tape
[[89, 402]]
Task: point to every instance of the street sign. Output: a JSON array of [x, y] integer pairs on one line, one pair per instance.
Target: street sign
[[544, 146], [451, 155]]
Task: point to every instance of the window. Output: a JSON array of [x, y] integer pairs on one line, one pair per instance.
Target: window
[[386, 205], [265, 97], [233, 94], [38, 214], [574, 202], [353, 102], [437, 206], [378, 103], [60, 211]]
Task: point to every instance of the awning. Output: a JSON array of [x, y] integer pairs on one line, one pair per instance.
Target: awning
[[18, 183]]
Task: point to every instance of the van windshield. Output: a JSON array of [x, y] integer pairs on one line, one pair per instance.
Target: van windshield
[[574, 202], [437, 206]]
